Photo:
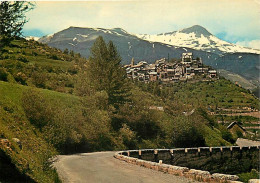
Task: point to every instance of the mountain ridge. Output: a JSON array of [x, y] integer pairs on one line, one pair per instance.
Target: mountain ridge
[[199, 38], [197, 29], [129, 46]]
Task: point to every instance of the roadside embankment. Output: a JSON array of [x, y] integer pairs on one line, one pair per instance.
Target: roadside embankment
[[182, 161]]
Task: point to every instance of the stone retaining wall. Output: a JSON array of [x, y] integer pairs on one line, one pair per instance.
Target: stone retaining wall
[[154, 158]]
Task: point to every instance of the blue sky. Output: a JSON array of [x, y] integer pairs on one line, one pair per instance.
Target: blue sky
[[235, 21]]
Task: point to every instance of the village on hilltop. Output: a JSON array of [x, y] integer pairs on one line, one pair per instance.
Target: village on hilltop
[[164, 71]]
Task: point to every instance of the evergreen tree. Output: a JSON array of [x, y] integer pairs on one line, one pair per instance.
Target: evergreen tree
[[66, 51], [98, 65], [105, 73], [117, 90], [72, 53], [12, 19]]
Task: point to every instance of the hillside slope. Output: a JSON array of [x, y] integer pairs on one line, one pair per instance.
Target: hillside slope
[[235, 78], [31, 158]]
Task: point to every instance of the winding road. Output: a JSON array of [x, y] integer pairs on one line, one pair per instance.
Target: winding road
[[246, 142], [102, 167]]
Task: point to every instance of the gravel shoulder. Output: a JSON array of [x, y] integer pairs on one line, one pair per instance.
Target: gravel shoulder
[[102, 167]]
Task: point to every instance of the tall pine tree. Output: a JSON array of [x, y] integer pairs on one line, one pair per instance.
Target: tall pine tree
[[104, 73], [97, 65], [117, 89]]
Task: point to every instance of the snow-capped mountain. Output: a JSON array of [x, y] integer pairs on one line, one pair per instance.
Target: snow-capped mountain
[[79, 34], [81, 39], [197, 37]]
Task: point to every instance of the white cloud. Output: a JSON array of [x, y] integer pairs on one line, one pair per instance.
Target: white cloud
[[251, 44]]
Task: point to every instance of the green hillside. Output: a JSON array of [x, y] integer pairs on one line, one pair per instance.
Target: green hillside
[[32, 158], [43, 104], [235, 78]]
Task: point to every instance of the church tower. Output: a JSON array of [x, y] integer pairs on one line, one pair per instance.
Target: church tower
[[132, 62]]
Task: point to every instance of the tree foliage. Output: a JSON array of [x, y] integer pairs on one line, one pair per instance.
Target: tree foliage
[[103, 72], [12, 19]]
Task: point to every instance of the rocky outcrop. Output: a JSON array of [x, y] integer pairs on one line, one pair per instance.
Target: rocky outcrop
[[18, 142]]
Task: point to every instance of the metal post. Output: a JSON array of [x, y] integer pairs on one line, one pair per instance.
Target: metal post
[[140, 154], [156, 155]]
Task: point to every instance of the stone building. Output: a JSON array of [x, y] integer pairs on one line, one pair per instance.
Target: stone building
[[234, 127], [164, 71]]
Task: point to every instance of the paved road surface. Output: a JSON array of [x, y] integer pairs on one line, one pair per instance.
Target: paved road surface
[[102, 167], [245, 142]]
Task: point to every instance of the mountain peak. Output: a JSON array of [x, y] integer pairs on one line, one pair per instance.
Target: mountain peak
[[119, 30], [197, 29]]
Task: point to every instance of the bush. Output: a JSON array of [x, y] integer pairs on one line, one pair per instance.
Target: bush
[[36, 108], [34, 53], [98, 100], [231, 100], [23, 59], [245, 177], [128, 137], [63, 127], [3, 74], [53, 56], [66, 51], [96, 125], [61, 130], [39, 79], [20, 78], [189, 137], [226, 135]]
